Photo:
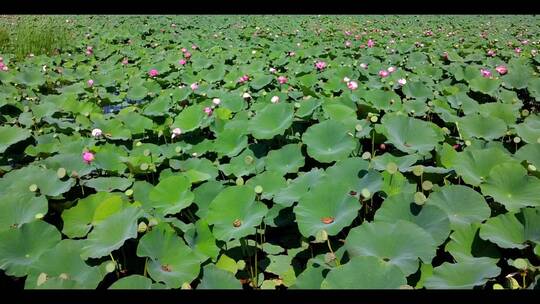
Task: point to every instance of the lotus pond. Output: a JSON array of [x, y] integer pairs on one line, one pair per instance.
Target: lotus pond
[[274, 152]]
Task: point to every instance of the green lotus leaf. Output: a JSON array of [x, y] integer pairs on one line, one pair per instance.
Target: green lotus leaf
[[430, 218], [134, 281], [365, 272], [308, 106], [19, 181], [382, 100], [111, 233], [136, 122], [310, 278], [287, 159], [270, 181], [89, 211], [271, 120], [137, 93], [231, 141], [379, 162], [474, 165], [20, 248], [518, 76], [410, 135], [244, 164], [482, 127], [348, 171], [328, 141], [465, 243], [64, 262], [298, 187], [463, 275], [172, 194], [215, 278], [18, 209], [462, 204], [485, 85], [417, 89], [109, 157], [328, 206], [234, 213], [171, 260], [534, 88], [509, 184], [158, 107], [71, 162], [401, 243], [393, 184], [204, 194], [30, 77], [202, 241], [193, 166], [10, 135], [529, 129], [260, 81], [529, 153], [512, 230], [190, 118], [108, 184], [114, 128]]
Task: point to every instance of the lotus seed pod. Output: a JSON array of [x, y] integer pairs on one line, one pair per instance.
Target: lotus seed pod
[[61, 172], [258, 189], [41, 279], [365, 193], [525, 113], [358, 127], [129, 192], [144, 166], [321, 236], [406, 287], [38, 216], [248, 160], [152, 222], [517, 139], [391, 168], [237, 223], [138, 144], [419, 198], [374, 119], [33, 188], [468, 143], [366, 155], [142, 227], [63, 276], [418, 170], [531, 168], [427, 185], [329, 257], [178, 149], [297, 105], [239, 181], [146, 152]]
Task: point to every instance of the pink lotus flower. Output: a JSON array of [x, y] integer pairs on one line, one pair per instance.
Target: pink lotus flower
[[96, 132], [292, 54], [187, 54], [125, 61], [534, 52], [517, 50], [275, 99], [485, 73], [194, 86], [491, 53], [352, 85], [320, 65], [383, 73], [184, 50], [193, 47], [346, 79], [90, 82], [153, 73], [363, 65], [88, 53], [1, 59], [216, 101], [391, 69], [501, 69], [88, 157], [348, 43], [182, 61], [362, 46], [402, 81], [525, 42], [243, 79], [272, 70], [370, 43], [5, 68], [282, 79], [176, 132], [173, 25], [347, 33], [428, 33], [208, 111]]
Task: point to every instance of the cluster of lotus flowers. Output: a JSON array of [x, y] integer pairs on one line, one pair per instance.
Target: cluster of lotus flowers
[[3, 66], [501, 69]]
